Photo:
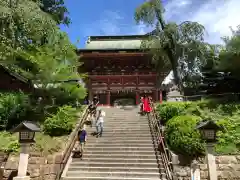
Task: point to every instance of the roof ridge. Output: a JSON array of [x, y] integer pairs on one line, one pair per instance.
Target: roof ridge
[[15, 74]]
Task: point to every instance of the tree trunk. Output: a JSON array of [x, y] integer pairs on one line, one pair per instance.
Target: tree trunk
[[172, 59]]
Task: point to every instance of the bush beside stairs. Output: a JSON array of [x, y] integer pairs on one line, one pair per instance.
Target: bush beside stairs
[[125, 151]]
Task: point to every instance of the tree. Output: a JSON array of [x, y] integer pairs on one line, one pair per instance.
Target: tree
[[230, 54], [32, 44], [52, 64], [180, 47], [22, 23], [57, 9]]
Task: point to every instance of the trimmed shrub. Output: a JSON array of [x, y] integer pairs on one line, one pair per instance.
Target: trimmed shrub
[[60, 123], [182, 137], [168, 110]]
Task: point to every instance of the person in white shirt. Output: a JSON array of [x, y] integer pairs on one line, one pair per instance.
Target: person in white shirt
[[99, 123]]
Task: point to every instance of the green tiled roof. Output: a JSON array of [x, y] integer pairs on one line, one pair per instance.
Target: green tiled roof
[[114, 42]]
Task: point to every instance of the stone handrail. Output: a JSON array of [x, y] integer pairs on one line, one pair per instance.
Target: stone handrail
[[166, 155], [71, 143]]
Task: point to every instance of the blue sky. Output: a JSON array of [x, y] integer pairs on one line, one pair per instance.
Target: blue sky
[[101, 17], [115, 17]]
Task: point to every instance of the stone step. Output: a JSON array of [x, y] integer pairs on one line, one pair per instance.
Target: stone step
[[113, 164], [123, 145], [127, 129], [126, 132], [115, 148], [120, 138], [125, 135], [122, 129], [109, 178], [115, 160], [122, 123], [120, 155], [92, 141], [114, 169], [109, 174], [129, 116]]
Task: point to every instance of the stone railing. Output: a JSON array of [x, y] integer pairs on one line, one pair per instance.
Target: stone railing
[[228, 168], [50, 167]]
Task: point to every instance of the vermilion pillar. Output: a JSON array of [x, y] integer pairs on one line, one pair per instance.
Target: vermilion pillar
[[137, 98], [108, 98], [155, 95], [160, 96], [90, 95]]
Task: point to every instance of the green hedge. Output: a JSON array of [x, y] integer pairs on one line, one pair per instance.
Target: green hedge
[[60, 123], [168, 110], [177, 114], [182, 137]]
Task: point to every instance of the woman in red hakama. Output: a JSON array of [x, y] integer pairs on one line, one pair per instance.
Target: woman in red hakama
[[146, 105]]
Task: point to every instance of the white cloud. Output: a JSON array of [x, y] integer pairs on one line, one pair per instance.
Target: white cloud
[[115, 23], [216, 15]]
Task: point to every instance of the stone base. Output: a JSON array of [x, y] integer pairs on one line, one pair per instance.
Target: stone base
[[22, 178]]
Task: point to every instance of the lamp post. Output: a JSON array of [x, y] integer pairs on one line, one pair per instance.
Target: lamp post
[[26, 132], [208, 130]]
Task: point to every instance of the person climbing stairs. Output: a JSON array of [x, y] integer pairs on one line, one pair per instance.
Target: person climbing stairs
[[125, 151]]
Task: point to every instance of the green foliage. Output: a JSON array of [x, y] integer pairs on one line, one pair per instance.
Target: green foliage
[[13, 109], [223, 113], [60, 123], [8, 143], [229, 139], [230, 53], [182, 136], [47, 144], [33, 45], [174, 46], [169, 110], [57, 9], [22, 22]]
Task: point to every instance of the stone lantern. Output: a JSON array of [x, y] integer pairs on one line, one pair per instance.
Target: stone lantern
[[208, 130], [26, 132]]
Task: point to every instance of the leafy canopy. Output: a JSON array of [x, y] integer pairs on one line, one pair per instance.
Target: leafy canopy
[[32, 44], [179, 47], [230, 53]]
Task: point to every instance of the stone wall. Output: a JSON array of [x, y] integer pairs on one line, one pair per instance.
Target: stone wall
[[228, 168], [39, 167], [45, 168]]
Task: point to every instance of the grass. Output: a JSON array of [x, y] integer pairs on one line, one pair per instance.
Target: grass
[[45, 144]]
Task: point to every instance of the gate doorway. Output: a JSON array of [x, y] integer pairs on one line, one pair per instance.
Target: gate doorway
[[123, 98]]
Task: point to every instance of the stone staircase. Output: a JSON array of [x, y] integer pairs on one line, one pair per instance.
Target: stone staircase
[[125, 151]]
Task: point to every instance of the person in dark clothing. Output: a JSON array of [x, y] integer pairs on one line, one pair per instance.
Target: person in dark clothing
[[95, 100], [82, 137]]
